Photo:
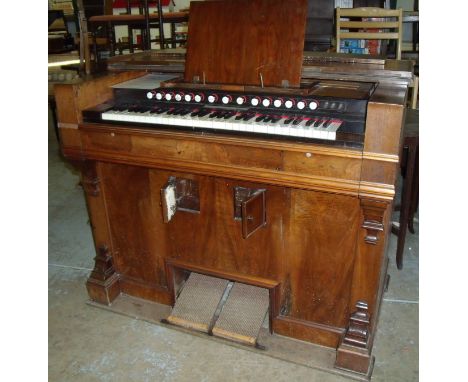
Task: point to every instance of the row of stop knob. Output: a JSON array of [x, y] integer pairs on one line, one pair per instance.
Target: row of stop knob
[[228, 99]]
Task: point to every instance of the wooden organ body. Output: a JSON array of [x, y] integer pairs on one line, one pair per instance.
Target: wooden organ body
[[316, 239]]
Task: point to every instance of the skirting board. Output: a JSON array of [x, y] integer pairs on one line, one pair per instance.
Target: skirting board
[[279, 347]]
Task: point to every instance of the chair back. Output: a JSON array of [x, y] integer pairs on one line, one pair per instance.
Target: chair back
[[369, 24]]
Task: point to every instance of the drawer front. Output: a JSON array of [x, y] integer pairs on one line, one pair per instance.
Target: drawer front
[[322, 165], [180, 149], [271, 162]]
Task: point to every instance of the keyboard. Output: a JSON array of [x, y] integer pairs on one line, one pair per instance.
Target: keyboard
[[242, 120], [298, 116]]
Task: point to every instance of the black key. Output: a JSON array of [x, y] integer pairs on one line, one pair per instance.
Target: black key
[[185, 112], [239, 116], [288, 121], [310, 122], [138, 109], [297, 121], [249, 117], [258, 119], [195, 113], [326, 123], [203, 113], [213, 114], [317, 122]]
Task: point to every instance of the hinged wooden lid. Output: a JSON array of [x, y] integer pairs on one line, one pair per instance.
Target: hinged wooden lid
[[242, 41]]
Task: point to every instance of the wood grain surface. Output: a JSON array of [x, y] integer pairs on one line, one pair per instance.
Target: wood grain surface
[[233, 42], [327, 211]]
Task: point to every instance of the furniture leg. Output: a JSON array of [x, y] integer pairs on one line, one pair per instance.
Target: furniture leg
[[405, 199], [414, 194], [111, 37], [53, 109], [95, 49], [147, 45], [130, 39], [173, 35], [161, 25]]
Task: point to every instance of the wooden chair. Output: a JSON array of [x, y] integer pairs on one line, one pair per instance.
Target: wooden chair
[[367, 29], [357, 24]]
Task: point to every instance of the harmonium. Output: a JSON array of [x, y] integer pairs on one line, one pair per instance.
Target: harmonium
[[244, 188]]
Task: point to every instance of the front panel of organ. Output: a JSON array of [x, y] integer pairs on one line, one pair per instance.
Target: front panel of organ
[[276, 184]]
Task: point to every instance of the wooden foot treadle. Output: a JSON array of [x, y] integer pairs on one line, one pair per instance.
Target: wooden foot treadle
[[243, 314], [233, 311], [197, 303]]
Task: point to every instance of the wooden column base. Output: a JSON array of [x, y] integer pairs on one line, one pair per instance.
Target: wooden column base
[[354, 359], [354, 352], [103, 292], [103, 284]]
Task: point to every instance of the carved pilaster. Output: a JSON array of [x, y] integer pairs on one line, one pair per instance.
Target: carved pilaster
[[103, 283], [354, 353], [373, 212]]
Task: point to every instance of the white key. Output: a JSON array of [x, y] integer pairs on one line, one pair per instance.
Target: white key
[[229, 122], [308, 131], [278, 128], [315, 133], [236, 123], [323, 133], [271, 129], [261, 127], [295, 130], [332, 128], [301, 128], [109, 115], [282, 128]]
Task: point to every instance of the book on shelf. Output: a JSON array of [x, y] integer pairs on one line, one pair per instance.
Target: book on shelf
[[363, 46]]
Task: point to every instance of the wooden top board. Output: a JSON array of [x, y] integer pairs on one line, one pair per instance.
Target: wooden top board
[[234, 41]]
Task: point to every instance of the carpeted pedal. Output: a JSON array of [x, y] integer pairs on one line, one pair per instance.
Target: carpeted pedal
[[243, 314], [197, 303]]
